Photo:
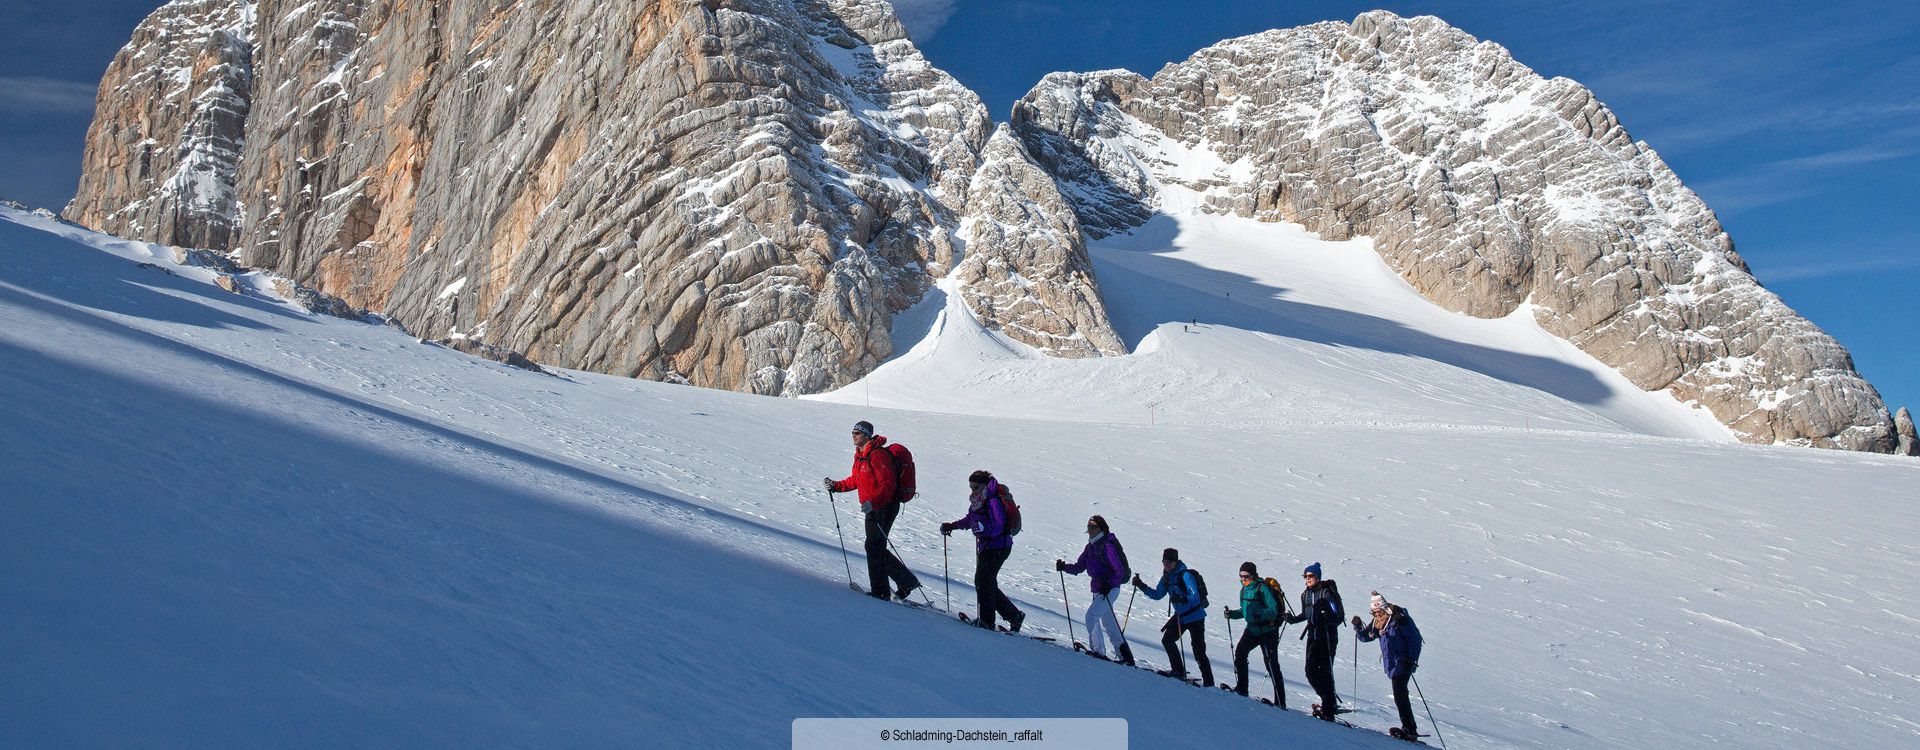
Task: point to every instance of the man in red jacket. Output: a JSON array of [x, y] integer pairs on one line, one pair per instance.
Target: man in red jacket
[[873, 476]]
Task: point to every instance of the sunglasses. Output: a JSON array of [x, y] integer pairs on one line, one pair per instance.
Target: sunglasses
[[1244, 576]]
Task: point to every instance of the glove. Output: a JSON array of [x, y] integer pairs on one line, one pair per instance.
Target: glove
[[828, 481], [1412, 665], [1228, 611], [1059, 564], [866, 507], [947, 528], [1137, 583]]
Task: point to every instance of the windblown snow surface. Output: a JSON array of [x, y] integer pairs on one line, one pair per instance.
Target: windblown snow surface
[[229, 522]]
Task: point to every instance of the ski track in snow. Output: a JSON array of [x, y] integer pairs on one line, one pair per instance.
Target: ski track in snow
[[232, 522]]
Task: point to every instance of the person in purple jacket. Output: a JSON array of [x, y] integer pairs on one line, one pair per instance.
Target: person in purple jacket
[[1104, 561], [992, 543]]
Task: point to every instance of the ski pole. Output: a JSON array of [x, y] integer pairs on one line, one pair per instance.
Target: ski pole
[[1129, 617], [1179, 636], [886, 535], [903, 564], [843, 540], [1067, 607], [1115, 619], [1430, 720], [1356, 671], [946, 573]]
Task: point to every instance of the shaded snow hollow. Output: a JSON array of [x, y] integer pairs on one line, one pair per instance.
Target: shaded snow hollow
[[230, 522]]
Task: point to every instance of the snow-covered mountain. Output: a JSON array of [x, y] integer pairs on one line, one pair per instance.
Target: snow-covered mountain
[[231, 521], [742, 194], [1487, 187]]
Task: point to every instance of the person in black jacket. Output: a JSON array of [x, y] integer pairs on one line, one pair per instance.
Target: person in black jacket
[[1321, 610]]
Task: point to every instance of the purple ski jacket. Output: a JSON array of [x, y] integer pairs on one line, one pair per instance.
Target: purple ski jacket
[[987, 517], [1103, 562]]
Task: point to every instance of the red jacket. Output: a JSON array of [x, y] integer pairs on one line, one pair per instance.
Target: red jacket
[[872, 474]]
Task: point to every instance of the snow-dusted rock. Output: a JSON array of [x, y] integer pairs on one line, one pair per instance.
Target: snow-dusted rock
[[1483, 184], [1903, 426], [734, 193], [165, 144], [1026, 271]]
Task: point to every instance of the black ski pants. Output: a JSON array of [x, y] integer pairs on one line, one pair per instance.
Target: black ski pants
[[1171, 639], [1269, 646], [986, 581], [1320, 651], [881, 564], [1405, 705]]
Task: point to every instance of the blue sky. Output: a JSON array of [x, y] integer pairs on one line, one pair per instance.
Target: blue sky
[[1799, 123]]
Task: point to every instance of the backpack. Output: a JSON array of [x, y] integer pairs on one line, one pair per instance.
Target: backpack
[[903, 488], [1010, 509], [1327, 606], [1126, 571], [1200, 584], [1279, 600]]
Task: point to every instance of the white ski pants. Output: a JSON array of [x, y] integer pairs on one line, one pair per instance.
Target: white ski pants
[[1103, 626]]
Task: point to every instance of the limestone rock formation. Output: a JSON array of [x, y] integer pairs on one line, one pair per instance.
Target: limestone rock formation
[[1026, 271], [165, 144], [1485, 185], [741, 193], [733, 193], [1903, 426]]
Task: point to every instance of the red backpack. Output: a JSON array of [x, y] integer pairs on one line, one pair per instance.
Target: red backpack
[[903, 488], [1010, 509]]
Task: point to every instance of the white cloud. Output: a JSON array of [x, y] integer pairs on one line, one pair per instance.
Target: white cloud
[[1881, 263], [923, 18], [36, 94]]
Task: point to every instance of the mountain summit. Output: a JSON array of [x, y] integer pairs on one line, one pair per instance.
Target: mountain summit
[[743, 194]]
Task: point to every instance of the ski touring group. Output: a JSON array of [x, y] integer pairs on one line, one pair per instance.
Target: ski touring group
[[883, 478]]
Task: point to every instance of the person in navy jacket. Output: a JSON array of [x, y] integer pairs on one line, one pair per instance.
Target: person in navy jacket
[[1399, 655]]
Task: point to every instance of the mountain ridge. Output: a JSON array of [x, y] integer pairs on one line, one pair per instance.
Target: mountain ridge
[[742, 194]]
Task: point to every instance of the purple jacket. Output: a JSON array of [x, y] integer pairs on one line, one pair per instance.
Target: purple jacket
[[1104, 562], [988, 519]]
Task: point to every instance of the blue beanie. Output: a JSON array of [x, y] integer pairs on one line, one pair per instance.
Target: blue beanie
[[1313, 570]]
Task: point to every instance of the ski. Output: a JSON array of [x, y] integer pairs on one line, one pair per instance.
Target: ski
[[1002, 629]]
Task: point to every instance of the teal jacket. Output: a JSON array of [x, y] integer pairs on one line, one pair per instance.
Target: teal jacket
[[1258, 608]]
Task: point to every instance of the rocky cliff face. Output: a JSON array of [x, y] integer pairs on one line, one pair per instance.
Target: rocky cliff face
[[741, 193], [1026, 270], [1903, 426], [733, 193], [165, 145], [1485, 185]]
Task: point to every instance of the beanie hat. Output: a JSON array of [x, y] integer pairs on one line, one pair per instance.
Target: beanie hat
[[1249, 569], [980, 476], [1170, 555], [1313, 570], [863, 427], [1379, 602]]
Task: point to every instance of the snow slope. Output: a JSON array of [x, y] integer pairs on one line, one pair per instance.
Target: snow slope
[[230, 522]]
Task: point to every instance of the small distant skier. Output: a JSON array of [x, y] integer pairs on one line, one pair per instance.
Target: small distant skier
[[874, 477], [1189, 614], [1105, 563], [1321, 610], [1399, 655], [992, 543], [1260, 607]]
